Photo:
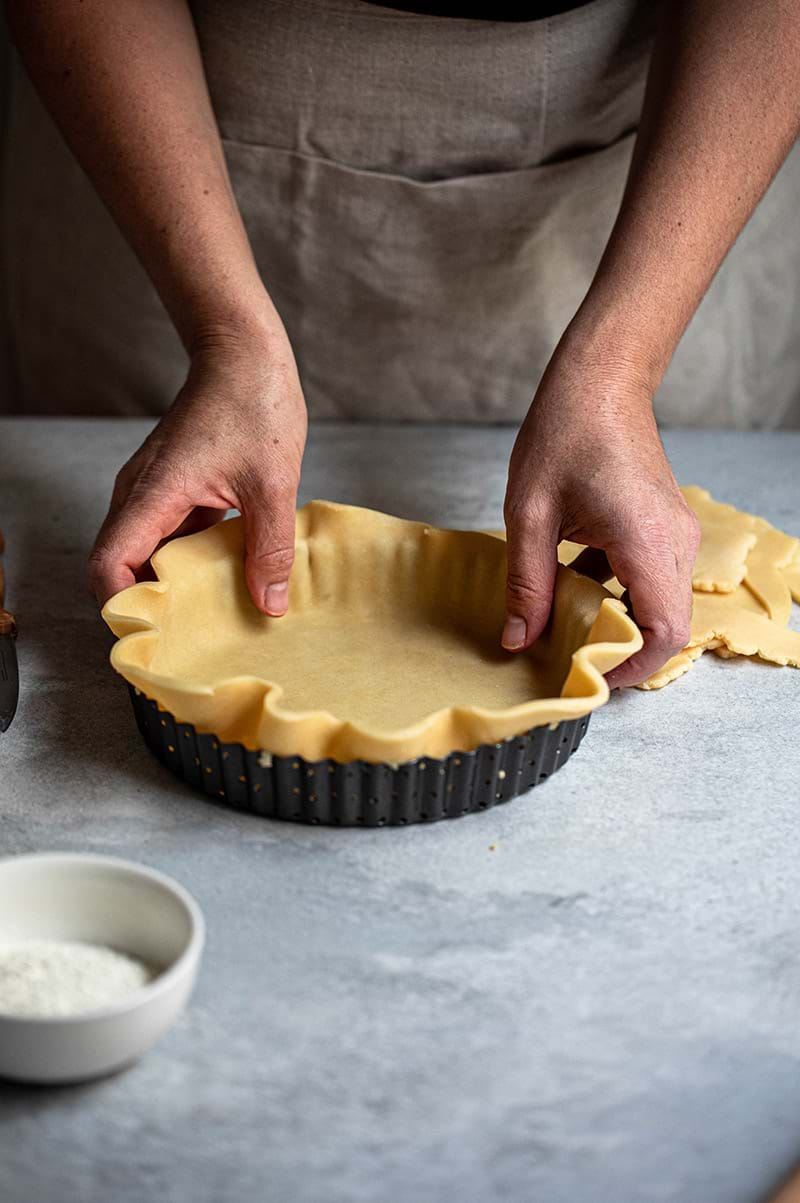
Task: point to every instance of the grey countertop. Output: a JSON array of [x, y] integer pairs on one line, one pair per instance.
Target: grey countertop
[[606, 1007]]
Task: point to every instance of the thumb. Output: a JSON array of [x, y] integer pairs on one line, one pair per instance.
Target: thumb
[[532, 562], [269, 520]]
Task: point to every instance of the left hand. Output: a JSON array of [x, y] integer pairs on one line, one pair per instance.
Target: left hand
[[232, 439], [588, 465]]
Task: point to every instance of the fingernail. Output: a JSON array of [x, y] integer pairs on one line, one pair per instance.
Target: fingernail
[[514, 633], [276, 598]]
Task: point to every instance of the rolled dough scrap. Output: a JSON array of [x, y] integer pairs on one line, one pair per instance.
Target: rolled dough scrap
[[727, 537], [743, 585], [390, 650], [772, 552], [730, 624], [678, 665], [741, 599], [791, 574], [742, 631]]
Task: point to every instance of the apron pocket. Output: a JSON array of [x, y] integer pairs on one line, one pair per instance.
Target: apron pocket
[[425, 300]]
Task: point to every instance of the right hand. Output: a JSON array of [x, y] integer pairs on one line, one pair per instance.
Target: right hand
[[233, 439], [588, 465]]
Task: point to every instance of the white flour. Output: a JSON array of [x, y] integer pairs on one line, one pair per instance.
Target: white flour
[[40, 978]]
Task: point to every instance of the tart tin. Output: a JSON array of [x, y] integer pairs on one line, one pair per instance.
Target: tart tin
[[357, 793]]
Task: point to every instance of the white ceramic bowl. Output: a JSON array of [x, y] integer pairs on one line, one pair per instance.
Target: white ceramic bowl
[[102, 900]]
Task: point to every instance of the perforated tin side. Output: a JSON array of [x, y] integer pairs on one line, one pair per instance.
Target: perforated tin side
[[356, 794]]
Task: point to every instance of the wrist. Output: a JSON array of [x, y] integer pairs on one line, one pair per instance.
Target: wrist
[[598, 378], [609, 341], [244, 359], [254, 326]]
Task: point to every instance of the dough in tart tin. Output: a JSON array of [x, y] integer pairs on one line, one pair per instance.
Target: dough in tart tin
[[390, 650]]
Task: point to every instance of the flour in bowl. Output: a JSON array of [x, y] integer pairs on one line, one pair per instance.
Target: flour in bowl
[[51, 978]]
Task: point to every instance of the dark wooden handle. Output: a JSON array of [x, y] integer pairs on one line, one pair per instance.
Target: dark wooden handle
[[7, 624]]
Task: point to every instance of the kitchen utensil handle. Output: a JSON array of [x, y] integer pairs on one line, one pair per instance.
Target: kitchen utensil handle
[[8, 625]]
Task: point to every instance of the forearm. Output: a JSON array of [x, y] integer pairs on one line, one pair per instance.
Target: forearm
[[124, 81], [721, 111]]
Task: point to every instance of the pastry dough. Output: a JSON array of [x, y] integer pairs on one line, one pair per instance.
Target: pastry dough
[[791, 574], [745, 576], [750, 618], [390, 650], [742, 631], [773, 551], [676, 666], [727, 537]]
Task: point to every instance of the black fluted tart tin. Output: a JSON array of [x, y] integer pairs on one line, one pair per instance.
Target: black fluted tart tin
[[357, 793]]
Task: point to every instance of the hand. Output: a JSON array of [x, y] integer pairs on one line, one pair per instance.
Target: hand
[[588, 465], [233, 439]]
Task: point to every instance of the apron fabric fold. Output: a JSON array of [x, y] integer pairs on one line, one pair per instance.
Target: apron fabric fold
[[427, 199]]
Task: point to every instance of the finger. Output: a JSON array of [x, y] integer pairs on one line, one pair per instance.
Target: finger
[[687, 551], [201, 518], [531, 549], [128, 538], [660, 590], [269, 524], [593, 562]]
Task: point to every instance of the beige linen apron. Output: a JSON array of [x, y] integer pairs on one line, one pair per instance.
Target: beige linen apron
[[427, 200]]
